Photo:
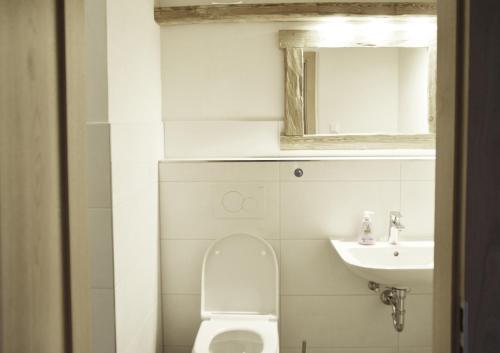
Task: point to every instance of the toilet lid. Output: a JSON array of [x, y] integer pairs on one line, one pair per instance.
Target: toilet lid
[[239, 276]]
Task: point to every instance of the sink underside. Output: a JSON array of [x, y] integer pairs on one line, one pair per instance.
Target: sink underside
[[406, 264]]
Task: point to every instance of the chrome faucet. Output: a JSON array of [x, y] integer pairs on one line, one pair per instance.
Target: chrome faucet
[[395, 226]]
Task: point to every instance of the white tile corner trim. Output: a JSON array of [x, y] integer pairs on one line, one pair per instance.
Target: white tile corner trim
[[321, 301], [137, 142]]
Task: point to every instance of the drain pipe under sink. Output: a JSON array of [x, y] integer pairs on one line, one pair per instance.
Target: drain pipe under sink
[[396, 298]]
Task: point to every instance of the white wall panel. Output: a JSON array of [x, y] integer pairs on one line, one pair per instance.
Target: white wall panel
[[321, 300]]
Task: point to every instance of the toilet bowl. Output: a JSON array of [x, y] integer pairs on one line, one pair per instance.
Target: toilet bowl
[[237, 335], [239, 297]]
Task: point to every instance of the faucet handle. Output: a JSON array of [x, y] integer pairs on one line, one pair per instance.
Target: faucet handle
[[396, 218], [395, 214]]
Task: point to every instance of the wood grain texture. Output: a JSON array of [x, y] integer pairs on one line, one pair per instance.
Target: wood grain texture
[[294, 92], [284, 12], [325, 39], [358, 141], [32, 282], [482, 200], [447, 198]]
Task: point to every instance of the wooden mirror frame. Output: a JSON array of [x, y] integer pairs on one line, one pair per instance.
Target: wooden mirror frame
[[294, 43]]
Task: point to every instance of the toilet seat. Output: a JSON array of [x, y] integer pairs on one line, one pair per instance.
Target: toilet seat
[[265, 327], [240, 276], [239, 296]]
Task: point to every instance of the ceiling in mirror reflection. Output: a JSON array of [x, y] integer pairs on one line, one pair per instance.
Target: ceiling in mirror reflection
[[376, 28]]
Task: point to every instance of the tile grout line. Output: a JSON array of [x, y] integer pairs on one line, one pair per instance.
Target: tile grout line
[[290, 181]]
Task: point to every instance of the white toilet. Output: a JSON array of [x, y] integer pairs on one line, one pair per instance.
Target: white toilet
[[239, 297]]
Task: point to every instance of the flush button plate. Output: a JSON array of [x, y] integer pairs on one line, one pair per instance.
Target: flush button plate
[[239, 201]]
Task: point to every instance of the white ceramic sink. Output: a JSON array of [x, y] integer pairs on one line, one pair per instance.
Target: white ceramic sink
[[404, 265]]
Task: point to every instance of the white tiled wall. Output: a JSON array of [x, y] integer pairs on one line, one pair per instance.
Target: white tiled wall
[[125, 139], [123, 231], [100, 228], [136, 148], [96, 78], [134, 109], [321, 301], [103, 321], [99, 165]]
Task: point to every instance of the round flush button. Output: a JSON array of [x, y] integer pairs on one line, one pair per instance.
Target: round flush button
[[250, 204], [232, 201]]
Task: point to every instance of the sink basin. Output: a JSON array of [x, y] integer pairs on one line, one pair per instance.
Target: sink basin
[[404, 265]]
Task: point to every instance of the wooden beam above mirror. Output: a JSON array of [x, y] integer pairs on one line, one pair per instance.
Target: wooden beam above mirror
[[285, 12]]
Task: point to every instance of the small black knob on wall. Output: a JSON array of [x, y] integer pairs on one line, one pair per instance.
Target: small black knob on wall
[[298, 172]]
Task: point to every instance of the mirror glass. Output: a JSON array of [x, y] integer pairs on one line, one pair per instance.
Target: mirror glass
[[357, 90]]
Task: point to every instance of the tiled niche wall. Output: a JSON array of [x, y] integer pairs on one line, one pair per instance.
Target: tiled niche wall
[[321, 301], [100, 229]]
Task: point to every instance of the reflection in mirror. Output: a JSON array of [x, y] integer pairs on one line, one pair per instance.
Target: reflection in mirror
[[361, 83], [362, 90]]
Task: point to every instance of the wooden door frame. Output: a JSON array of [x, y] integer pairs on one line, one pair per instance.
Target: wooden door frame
[[44, 277], [480, 217], [72, 22], [451, 164]]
